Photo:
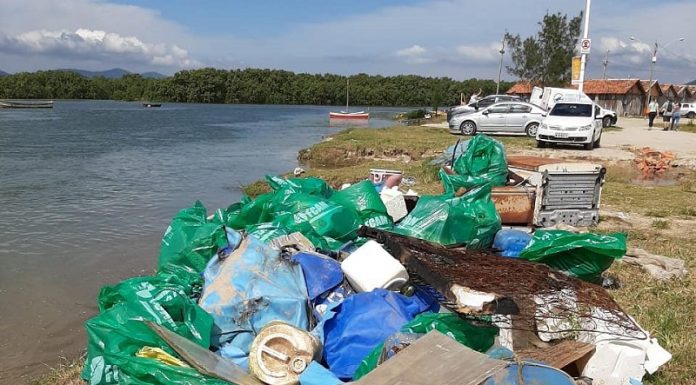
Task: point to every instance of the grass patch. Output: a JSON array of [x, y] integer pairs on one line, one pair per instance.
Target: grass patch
[[660, 201], [255, 189], [396, 144], [612, 129], [687, 212], [660, 224], [66, 373]]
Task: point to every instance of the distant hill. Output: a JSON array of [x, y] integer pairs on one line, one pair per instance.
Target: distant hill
[[3, 73], [691, 83], [114, 73], [153, 75]]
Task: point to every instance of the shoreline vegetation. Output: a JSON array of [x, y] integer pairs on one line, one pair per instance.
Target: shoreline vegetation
[[248, 86], [666, 309]]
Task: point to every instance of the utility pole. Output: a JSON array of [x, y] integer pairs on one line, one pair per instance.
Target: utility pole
[[606, 63], [585, 33], [500, 67], [653, 60]]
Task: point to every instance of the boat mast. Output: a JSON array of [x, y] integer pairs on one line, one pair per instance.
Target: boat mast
[[347, 86]]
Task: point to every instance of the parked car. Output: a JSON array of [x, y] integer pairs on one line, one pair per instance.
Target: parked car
[[578, 123], [548, 96], [508, 117], [688, 110], [482, 103]]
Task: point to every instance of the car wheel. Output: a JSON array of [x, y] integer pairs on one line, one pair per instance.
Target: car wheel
[[606, 122], [589, 146], [691, 115], [532, 129], [597, 143], [540, 144], [468, 127]]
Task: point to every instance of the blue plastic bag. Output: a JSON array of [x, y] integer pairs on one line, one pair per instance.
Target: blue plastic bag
[[247, 286], [362, 322], [511, 242], [321, 273]]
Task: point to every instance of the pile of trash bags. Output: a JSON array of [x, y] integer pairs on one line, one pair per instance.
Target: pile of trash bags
[[281, 288]]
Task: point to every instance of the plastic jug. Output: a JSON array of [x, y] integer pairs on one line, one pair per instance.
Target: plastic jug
[[371, 267]]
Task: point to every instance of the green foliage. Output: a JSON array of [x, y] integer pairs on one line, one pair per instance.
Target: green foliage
[[545, 59], [415, 114], [253, 86]]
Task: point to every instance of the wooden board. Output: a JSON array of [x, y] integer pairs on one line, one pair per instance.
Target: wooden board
[[434, 359], [559, 355]]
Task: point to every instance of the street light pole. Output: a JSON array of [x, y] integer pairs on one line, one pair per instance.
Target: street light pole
[[585, 33], [500, 66], [653, 60]]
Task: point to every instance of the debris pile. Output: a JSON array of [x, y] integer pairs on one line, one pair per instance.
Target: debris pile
[[309, 285], [653, 163]]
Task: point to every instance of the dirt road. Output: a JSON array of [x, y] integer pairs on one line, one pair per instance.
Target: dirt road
[[633, 133]]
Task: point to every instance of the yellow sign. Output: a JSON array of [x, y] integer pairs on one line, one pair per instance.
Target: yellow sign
[[575, 70]]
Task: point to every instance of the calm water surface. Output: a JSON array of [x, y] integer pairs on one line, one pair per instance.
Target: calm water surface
[[88, 188]]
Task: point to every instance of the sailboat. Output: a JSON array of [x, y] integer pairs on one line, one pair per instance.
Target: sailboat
[[349, 115]]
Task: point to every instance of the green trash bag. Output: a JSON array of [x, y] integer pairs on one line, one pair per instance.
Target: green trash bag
[[266, 232], [117, 333], [171, 281], [191, 240], [479, 338], [484, 162], [470, 220], [247, 212], [326, 218], [310, 185], [585, 256], [364, 199]]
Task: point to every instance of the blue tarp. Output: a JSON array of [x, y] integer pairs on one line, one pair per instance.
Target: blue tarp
[[248, 285], [363, 321], [321, 273]]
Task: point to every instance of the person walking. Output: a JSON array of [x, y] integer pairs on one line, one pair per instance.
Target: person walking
[[667, 114], [676, 116], [652, 112]]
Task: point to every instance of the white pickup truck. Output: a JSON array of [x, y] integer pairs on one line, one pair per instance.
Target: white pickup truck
[[548, 96]]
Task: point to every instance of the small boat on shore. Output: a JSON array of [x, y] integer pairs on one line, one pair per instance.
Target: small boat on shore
[[152, 105], [349, 115], [26, 104]]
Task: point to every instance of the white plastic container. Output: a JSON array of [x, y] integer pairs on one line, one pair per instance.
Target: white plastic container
[[371, 267], [395, 203]]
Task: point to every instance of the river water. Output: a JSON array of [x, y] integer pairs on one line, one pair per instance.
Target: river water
[[87, 189]]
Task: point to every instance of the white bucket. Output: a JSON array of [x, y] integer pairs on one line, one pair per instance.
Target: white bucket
[[371, 267]]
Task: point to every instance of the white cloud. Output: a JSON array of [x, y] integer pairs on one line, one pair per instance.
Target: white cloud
[[95, 44], [480, 53], [414, 54]]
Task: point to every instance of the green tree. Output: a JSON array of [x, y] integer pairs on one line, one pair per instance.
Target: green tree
[[545, 58]]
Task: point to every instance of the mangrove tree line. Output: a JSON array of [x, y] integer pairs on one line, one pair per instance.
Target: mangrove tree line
[[258, 86]]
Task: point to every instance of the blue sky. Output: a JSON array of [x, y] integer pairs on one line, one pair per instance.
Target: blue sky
[[454, 38]]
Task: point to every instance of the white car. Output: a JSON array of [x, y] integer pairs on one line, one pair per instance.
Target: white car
[[688, 110], [571, 123]]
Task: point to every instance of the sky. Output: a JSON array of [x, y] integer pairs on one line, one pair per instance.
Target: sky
[[459, 39]]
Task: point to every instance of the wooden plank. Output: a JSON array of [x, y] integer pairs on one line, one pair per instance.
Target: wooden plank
[[434, 359], [559, 355]]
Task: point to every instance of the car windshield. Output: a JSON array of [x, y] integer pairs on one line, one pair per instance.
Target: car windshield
[[563, 109]]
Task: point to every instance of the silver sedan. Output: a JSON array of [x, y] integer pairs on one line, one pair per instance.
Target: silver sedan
[[506, 117]]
